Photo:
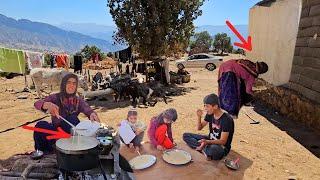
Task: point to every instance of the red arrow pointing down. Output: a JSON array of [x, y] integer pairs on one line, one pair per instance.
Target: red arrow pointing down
[[247, 45], [54, 134]]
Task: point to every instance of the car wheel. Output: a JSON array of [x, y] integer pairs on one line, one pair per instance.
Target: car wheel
[[180, 66], [211, 67]]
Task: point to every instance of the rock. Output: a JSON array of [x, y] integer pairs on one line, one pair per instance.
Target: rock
[[242, 140], [292, 178], [9, 90], [22, 97], [287, 171]]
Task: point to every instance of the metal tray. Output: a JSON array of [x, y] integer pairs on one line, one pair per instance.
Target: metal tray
[[170, 156], [142, 162]]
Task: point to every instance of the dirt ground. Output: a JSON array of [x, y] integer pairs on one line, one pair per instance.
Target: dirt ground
[[265, 151]]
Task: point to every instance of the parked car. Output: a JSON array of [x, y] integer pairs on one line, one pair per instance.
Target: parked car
[[207, 61]]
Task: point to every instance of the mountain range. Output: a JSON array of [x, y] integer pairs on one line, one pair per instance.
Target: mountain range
[[36, 36], [71, 37], [106, 32]]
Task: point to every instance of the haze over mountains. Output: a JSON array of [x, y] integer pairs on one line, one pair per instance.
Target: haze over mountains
[[29, 35], [71, 37]]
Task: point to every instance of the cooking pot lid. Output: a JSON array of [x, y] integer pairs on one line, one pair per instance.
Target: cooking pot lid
[[77, 143]]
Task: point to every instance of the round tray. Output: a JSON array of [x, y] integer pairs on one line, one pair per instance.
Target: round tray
[[142, 162], [176, 157]]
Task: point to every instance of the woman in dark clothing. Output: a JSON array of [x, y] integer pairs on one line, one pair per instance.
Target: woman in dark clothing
[[236, 79], [63, 104], [127, 69]]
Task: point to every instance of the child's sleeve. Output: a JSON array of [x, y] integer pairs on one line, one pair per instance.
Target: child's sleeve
[[142, 126], [151, 133]]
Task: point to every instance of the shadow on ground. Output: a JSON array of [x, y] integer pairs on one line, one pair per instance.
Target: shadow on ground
[[307, 137], [200, 168], [107, 103]]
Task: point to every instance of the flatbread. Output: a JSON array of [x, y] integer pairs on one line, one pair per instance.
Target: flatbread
[[87, 128], [77, 143], [176, 157], [142, 162]]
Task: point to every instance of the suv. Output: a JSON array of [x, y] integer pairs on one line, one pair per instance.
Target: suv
[[199, 60]]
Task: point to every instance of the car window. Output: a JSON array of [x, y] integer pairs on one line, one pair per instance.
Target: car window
[[197, 57], [204, 57], [190, 57]]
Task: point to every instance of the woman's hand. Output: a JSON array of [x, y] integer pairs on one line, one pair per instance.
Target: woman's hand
[[51, 108], [94, 117], [160, 148]]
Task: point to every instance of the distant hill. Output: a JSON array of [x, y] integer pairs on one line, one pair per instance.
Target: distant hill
[[106, 32], [91, 29], [28, 35]]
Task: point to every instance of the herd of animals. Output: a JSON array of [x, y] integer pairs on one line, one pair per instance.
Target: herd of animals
[[123, 86]]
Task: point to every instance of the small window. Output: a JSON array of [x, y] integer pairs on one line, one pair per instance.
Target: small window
[[204, 57], [191, 57]]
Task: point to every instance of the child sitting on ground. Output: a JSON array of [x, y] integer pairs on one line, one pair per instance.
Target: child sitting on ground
[[138, 128], [160, 133]]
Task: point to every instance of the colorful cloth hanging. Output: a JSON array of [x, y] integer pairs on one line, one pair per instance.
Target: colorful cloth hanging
[[12, 61]]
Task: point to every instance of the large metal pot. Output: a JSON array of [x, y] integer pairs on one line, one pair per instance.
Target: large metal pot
[[77, 153]]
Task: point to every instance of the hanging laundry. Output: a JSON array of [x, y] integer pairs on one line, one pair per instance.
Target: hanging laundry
[[52, 60], [125, 55], [60, 60], [66, 59], [12, 61], [77, 63], [34, 59]]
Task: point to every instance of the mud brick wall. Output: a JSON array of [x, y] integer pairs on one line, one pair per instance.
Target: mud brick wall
[[305, 73]]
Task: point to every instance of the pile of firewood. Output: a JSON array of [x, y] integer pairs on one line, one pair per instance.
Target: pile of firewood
[[23, 167], [104, 64]]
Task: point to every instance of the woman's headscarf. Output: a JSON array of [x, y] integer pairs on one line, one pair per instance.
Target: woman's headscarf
[[63, 86], [262, 67], [170, 113], [253, 68], [68, 102]]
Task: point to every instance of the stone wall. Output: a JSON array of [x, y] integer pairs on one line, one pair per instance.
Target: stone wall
[[290, 104], [305, 73]]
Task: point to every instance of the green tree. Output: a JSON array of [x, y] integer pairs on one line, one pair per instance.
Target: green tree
[[222, 43], [202, 43], [155, 28], [109, 54], [240, 51], [88, 51]]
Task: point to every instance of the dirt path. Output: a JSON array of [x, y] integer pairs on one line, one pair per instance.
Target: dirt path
[[269, 152]]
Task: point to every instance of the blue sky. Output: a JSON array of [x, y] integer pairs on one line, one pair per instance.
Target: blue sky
[[215, 12]]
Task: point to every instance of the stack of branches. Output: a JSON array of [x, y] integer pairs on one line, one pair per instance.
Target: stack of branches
[[105, 64], [23, 167]]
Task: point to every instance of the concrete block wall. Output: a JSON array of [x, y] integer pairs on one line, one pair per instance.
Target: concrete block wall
[[305, 72]]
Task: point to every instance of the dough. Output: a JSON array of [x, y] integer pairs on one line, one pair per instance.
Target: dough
[[87, 128], [143, 161], [177, 157], [77, 143]]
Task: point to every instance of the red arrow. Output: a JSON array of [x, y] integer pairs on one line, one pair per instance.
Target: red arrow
[[55, 134], [245, 44]]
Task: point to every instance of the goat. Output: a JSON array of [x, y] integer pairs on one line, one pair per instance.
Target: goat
[[53, 78]]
